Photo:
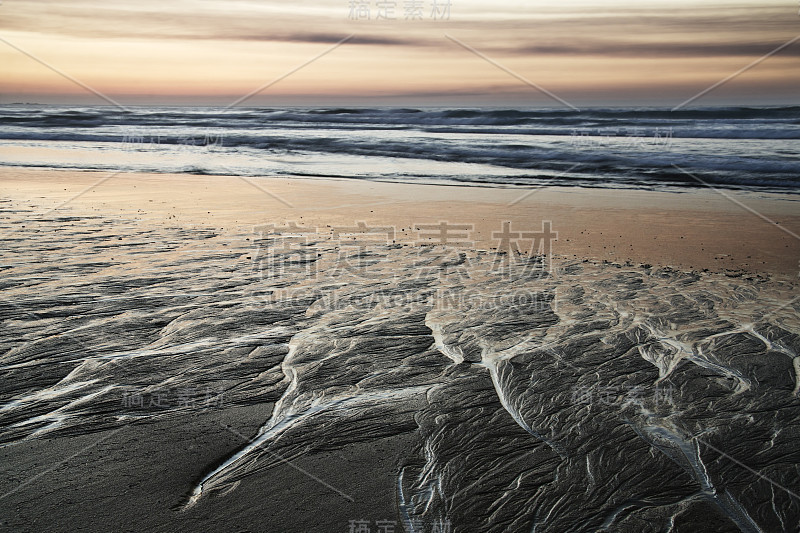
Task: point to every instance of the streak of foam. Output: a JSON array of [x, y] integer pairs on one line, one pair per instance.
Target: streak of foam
[[50, 393], [678, 350], [57, 417], [686, 453], [750, 328], [280, 422], [492, 365], [403, 504], [453, 352]]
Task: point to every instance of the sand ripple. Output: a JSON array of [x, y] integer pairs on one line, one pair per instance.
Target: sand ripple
[[581, 397]]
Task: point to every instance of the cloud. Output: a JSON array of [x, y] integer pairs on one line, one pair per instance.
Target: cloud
[[626, 46], [116, 21], [540, 28], [325, 38], [662, 49]]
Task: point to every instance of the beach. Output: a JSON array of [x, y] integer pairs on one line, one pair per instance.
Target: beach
[[231, 353], [695, 229], [426, 266]]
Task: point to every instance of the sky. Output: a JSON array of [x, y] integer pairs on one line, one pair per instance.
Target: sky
[[399, 52]]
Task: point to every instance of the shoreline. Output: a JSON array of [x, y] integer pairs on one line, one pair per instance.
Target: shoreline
[[696, 230], [687, 187]]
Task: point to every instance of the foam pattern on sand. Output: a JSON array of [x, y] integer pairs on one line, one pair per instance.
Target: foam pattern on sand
[[569, 396]]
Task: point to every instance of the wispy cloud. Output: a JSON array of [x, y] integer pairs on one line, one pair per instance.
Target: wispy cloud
[[655, 49], [591, 48]]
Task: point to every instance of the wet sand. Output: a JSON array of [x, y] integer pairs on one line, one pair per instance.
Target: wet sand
[[148, 283], [694, 230], [135, 478]]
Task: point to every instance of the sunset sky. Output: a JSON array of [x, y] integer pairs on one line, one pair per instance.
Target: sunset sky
[[659, 52]]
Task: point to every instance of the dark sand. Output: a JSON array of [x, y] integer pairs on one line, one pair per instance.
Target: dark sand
[[138, 477]]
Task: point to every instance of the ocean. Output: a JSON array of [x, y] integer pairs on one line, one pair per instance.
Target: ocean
[[753, 147]]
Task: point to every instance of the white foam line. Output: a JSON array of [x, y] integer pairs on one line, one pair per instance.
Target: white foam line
[[402, 504], [701, 360], [691, 451], [172, 350], [456, 354], [514, 412], [278, 424], [697, 357], [46, 394], [749, 328], [58, 416]]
